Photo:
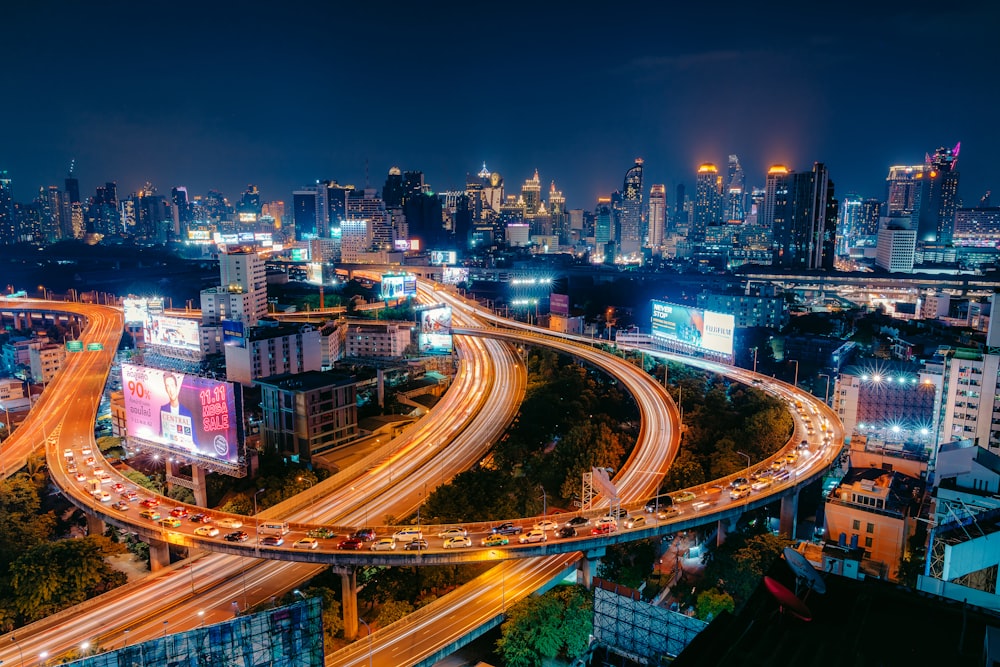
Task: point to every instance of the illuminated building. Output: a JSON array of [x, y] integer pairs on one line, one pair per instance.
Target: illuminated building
[[805, 222], [531, 195], [892, 400], [657, 217], [760, 306], [630, 211], [308, 413], [367, 205], [52, 211], [895, 248], [377, 341], [848, 223], [775, 202], [902, 191], [603, 229], [708, 201], [308, 211], [980, 226], [274, 350], [735, 191], [939, 195], [558, 214], [180, 211], [355, 239]]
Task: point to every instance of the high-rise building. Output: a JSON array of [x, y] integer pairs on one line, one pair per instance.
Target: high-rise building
[[102, 214], [558, 214], [735, 191], [657, 216], [630, 211], [180, 211], [869, 216], [336, 201], [52, 213], [367, 205], [242, 292], [603, 224], [895, 248], [680, 217], [309, 211], [939, 196], [902, 191], [392, 191], [805, 227], [531, 194], [707, 202], [775, 201], [848, 223]]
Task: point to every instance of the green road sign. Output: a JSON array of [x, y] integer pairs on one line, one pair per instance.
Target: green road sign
[[74, 346], [95, 347]]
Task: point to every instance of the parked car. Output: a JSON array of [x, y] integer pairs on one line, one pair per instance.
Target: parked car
[[306, 543], [384, 544], [350, 544], [506, 528], [495, 541], [532, 536]]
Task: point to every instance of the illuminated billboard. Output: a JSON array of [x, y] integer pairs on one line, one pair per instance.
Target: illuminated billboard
[[434, 335], [182, 413], [173, 332], [233, 334], [704, 330], [138, 311], [398, 286], [559, 304], [443, 257], [451, 275]]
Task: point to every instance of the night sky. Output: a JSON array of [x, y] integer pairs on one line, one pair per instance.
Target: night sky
[[214, 95]]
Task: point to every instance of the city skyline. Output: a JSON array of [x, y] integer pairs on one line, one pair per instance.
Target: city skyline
[[268, 96]]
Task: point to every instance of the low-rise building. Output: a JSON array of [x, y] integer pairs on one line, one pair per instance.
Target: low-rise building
[[379, 341], [46, 359], [308, 413], [274, 349]]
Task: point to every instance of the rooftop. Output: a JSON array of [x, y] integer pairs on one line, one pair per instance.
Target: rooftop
[[308, 381], [902, 493]]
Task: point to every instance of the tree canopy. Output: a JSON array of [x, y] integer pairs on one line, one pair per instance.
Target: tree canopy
[[556, 624]]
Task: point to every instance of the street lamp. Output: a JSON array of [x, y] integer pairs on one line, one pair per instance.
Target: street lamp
[[796, 381], [826, 397], [369, 628], [545, 502], [20, 653], [754, 359], [256, 519], [748, 465]]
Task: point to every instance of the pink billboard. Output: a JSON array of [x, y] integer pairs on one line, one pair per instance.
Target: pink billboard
[[182, 413], [559, 304]]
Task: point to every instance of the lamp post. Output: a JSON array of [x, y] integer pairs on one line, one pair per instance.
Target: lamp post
[[20, 653], [796, 381], [369, 629], [748, 465], [826, 397], [545, 502], [754, 359]]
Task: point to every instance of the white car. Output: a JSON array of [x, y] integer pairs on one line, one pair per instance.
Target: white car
[[545, 524], [457, 542], [206, 531], [306, 543], [453, 532], [533, 535], [102, 495], [68, 453], [227, 522], [604, 520], [86, 451], [407, 534], [384, 544]]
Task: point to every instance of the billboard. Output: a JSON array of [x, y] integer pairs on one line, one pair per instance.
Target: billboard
[[559, 304], [434, 335], [173, 332], [138, 311], [182, 413], [704, 330], [398, 286], [233, 334], [451, 275], [443, 257]]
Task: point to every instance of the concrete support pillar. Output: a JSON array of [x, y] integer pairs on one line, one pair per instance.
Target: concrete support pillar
[[725, 526], [789, 510], [168, 470], [349, 588], [95, 525], [586, 568], [198, 482], [159, 555]]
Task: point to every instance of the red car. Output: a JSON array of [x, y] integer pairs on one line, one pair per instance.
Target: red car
[[604, 529], [149, 503], [179, 512], [351, 544]]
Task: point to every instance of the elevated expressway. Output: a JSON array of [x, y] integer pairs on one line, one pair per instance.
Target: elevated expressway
[[489, 594]]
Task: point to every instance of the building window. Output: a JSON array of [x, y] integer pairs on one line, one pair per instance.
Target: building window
[[857, 524], [868, 541], [870, 528]]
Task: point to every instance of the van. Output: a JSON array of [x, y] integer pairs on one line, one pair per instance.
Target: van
[[279, 528]]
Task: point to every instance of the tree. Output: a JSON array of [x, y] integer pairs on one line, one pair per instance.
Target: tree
[[740, 563], [713, 602], [392, 611], [558, 623], [628, 564], [22, 526]]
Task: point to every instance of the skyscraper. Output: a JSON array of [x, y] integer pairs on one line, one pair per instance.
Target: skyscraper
[[531, 193], [938, 196], [708, 201], [735, 191], [775, 197], [367, 205], [902, 192], [680, 218], [630, 216], [657, 216], [309, 211], [805, 231], [603, 226]]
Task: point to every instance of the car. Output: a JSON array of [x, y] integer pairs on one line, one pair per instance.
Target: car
[[170, 522], [804, 444], [100, 473], [778, 464], [179, 512], [306, 543], [682, 496], [150, 514], [566, 531], [604, 529], [120, 505], [667, 513], [604, 520], [129, 495], [199, 517], [618, 513], [68, 453], [761, 484], [86, 451], [740, 493], [149, 503], [72, 469], [117, 487], [384, 544], [739, 483], [80, 477], [453, 532], [272, 541], [506, 528], [635, 521], [758, 475], [533, 535], [237, 536], [781, 475], [545, 524], [228, 522], [206, 531], [91, 462], [495, 541], [457, 542], [654, 505], [415, 545], [364, 534], [102, 496], [350, 544], [407, 534], [323, 533], [792, 456]]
